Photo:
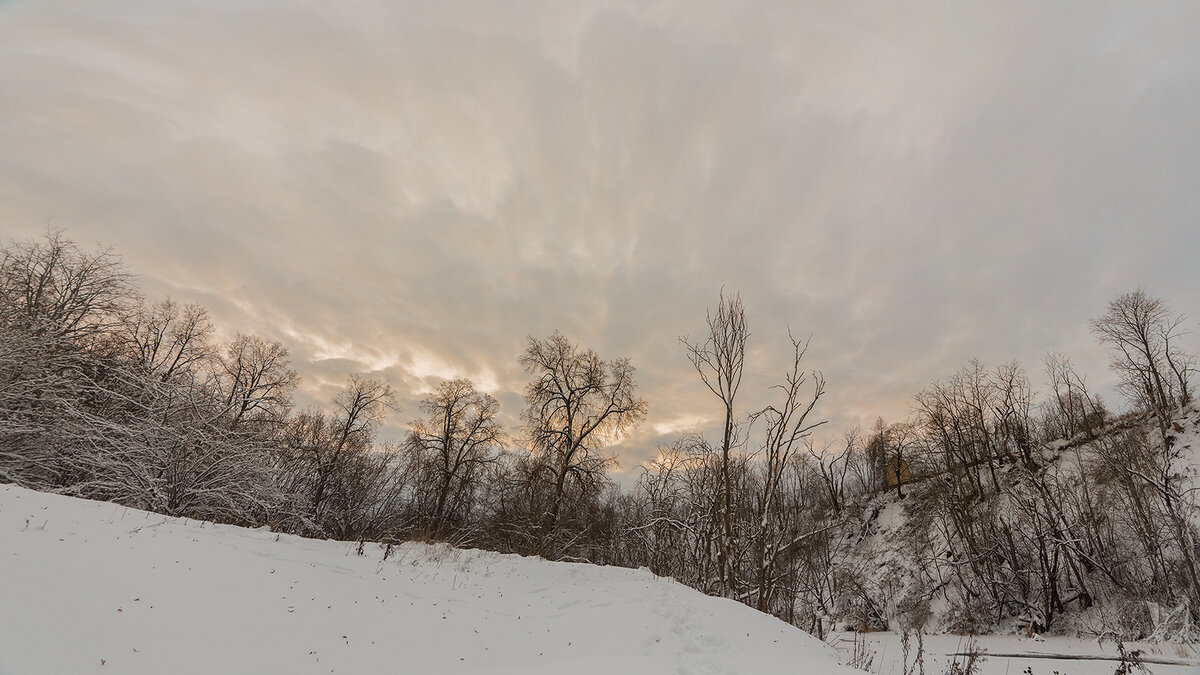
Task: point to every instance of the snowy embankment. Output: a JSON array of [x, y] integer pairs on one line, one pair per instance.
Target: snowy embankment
[[96, 587], [883, 654]]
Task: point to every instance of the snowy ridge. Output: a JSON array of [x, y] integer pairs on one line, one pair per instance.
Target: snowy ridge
[[97, 587]]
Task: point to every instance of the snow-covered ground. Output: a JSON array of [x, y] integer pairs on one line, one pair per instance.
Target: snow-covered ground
[[95, 587], [1011, 654]]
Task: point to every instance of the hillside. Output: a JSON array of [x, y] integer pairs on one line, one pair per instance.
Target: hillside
[[97, 587], [929, 558]]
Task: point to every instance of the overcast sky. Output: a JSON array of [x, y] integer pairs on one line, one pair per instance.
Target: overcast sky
[[413, 188]]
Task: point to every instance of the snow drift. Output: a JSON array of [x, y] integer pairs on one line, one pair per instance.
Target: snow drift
[[97, 587]]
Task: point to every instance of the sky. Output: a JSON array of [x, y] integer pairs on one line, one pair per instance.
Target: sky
[[413, 189]]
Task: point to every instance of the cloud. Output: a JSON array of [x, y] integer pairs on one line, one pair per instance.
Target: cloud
[[414, 188]]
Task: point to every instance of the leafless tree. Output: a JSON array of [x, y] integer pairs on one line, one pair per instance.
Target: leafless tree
[[1011, 402], [1072, 409], [719, 359], [255, 380], [168, 339], [324, 449], [787, 427], [53, 288], [662, 527], [59, 309], [835, 465], [574, 406], [151, 445], [459, 436], [1142, 336]]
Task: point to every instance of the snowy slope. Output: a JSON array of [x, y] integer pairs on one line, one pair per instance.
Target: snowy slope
[[95, 587], [1187, 445], [1013, 654], [886, 549]]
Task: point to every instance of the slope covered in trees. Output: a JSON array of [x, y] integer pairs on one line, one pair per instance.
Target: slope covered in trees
[[988, 509]]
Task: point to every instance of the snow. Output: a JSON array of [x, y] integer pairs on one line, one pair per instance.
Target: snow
[[96, 587], [1012, 654], [1187, 444]]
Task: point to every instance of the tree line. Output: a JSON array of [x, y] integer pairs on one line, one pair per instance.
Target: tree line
[[1045, 513]]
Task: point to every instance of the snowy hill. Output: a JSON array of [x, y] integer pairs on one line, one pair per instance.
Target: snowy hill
[[96, 587], [909, 553]]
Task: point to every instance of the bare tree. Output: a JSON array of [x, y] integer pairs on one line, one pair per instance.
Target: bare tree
[[1011, 402], [59, 307], [168, 339], [53, 288], [834, 466], [576, 404], [787, 427], [458, 437], [665, 526], [323, 449], [1154, 491], [1072, 409], [159, 451], [255, 380], [1142, 334], [719, 360], [977, 417]]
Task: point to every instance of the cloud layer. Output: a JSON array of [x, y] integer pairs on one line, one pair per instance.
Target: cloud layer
[[414, 188]]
